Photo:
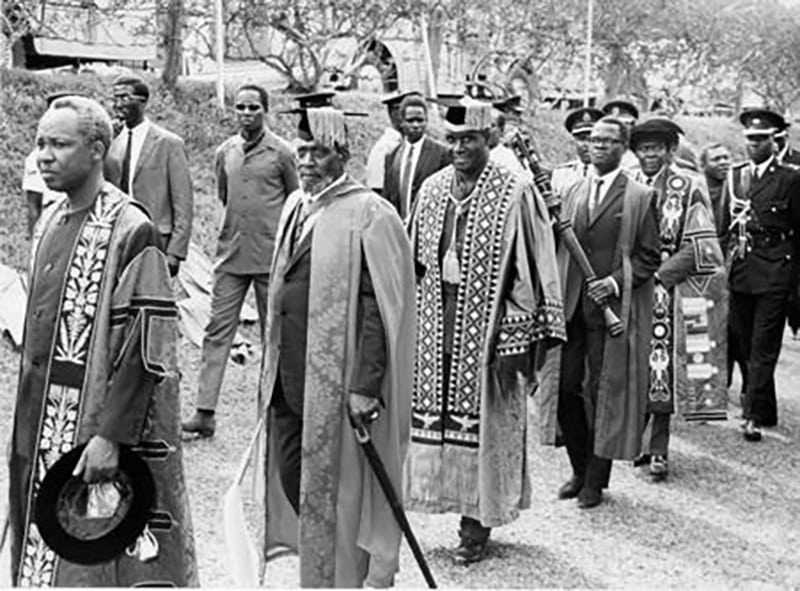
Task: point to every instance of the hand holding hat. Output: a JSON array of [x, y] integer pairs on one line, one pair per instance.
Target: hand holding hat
[[99, 460]]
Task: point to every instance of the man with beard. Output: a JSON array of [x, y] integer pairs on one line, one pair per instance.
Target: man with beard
[[255, 174], [592, 387], [340, 332], [686, 300], [98, 362], [150, 165], [579, 125], [764, 209], [489, 294], [414, 160]]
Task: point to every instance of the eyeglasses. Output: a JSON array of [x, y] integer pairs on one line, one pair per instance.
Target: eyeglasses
[[248, 108], [603, 142]]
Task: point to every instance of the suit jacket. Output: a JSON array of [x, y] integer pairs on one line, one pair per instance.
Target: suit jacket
[[161, 182], [433, 156], [773, 229], [598, 234]]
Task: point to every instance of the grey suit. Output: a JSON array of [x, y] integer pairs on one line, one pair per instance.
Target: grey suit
[[161, 182]]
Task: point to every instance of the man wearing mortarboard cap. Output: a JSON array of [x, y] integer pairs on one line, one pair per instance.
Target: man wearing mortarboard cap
[[763, 214], [391, 138], [488, 296], [689, 296], [338, 349], [579, 125]]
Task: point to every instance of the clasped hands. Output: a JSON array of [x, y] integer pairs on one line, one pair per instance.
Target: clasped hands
[[600, 290]]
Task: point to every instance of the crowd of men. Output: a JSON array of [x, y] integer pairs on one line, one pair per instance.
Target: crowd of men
[[419, 313]]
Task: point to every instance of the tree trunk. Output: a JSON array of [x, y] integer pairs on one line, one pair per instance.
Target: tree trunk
[[171, 40]]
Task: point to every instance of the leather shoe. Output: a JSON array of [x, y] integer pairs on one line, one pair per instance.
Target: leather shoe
[[659, 468], [751, 431], [571, 488], [203, 424], [641, 460], [470, 551], [589, 497]]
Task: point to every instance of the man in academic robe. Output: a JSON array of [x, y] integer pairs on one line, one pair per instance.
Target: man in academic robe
[[150, 164], [763, 244], [579, 124], [98, 360], [592, 388], [488, 294], [338, 354], [689, 299], [415, 159]]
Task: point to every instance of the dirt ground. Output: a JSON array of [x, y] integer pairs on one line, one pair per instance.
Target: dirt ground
[[729, 515]]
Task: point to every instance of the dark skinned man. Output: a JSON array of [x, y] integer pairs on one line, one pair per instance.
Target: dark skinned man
[[764, 216], [488, 294], [579, 125], [592, 387]]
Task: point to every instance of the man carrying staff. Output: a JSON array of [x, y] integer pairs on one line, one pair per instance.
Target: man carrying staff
[[488, 295], [683, 305], [338, 350], [98, 359], [592, 387]]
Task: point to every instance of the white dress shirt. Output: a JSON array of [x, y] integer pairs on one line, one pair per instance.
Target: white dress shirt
[[758, 170], [607, 179], [376, 160], [139, 132], [416, 148]]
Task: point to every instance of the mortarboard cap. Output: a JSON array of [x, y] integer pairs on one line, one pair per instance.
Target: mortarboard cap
[[657, 128], [395, 99], [469, 115], [761, 122], [621, 108], [581, 120], [512, 104]]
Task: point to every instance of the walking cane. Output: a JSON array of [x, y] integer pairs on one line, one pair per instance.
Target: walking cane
[[363, 438]]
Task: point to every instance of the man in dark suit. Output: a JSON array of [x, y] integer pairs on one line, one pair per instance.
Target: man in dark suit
[[601, 415], [150, 164], [786, 154], [415, 159], [764, 207]]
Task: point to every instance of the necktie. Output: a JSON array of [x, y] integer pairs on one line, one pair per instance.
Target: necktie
[[595, 201], [297, 231], [649, 181], [405, 182], [124, 179]]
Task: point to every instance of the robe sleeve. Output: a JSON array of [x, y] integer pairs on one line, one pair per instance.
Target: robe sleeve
[[699, 246], [143, 327], [370, 364], [534, 306], [645, 254]]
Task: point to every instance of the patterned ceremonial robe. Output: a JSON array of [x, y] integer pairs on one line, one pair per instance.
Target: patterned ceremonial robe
[[468, 437], [99, 358], [688, 346]]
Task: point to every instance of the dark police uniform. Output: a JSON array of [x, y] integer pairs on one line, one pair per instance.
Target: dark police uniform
[[763, 248]]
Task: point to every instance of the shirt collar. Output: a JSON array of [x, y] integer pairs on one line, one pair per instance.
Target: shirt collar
[[760, 169], [417, 143], [140, 127], [607, 178]]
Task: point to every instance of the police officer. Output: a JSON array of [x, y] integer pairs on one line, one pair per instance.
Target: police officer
[[764, 208], [627, 112], [579, 124]]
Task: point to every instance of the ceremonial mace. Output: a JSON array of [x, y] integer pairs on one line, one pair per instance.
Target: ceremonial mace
[[563, 227], [363, 438]]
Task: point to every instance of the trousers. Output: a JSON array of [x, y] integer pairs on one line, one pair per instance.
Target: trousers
[[227, 298], [759, 321]]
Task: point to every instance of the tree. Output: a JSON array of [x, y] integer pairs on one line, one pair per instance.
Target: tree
[[171, 43]]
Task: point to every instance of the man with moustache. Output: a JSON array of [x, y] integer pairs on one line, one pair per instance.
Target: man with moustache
[[150, 165], [415, 159], [338, 355], [592, 387], [255, 174], [579, 124], [686, 301], [764, 246], [488, 296], [98, 364]]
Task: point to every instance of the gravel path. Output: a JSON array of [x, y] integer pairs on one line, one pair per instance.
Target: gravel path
[[729, 515]]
